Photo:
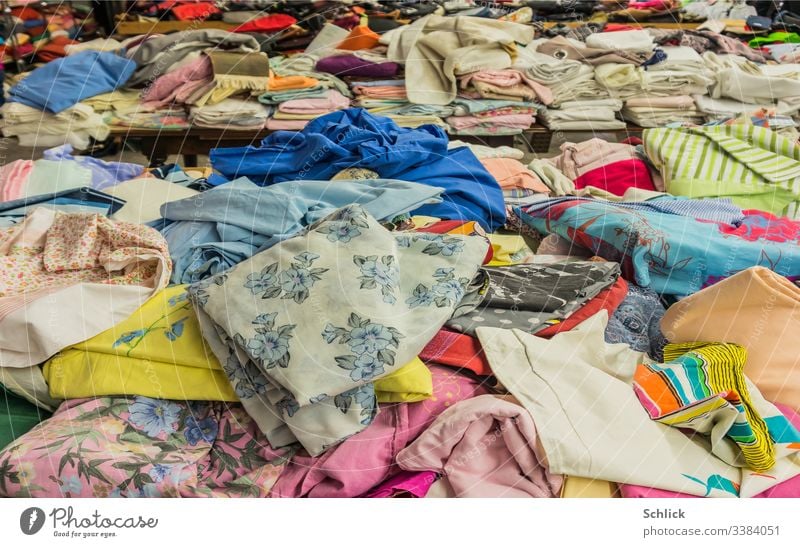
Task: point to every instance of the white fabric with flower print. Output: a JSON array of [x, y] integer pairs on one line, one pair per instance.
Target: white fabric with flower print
[[304, 328]]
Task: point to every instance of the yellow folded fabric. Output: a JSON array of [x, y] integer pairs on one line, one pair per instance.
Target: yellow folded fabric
[[508, 250], [157, 352], [409, 384], [579, 487]]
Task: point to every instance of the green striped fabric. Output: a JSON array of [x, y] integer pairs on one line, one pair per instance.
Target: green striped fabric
[[737, 161]]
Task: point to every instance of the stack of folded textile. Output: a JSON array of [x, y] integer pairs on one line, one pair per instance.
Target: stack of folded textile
[[164, 99], [516, 180], [295, 114], [588, 114], [682, 72], [231, 114], [295, 78], [44, 107], [568, 79], [287, 88], [75, 125], [388, 98], [490, 116], [744, 81], [659, 111]]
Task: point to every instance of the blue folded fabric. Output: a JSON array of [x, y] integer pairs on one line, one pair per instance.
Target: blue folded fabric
[[355, 138], [221, 227], [68, 201], [65, 82]]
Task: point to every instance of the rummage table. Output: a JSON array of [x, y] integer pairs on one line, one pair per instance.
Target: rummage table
[[159, 144]]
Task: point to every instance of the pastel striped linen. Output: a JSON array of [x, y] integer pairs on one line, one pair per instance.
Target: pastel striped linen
[[702, 387], [739, 161]]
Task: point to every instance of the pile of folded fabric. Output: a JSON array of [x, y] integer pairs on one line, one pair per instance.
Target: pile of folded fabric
[[652, 111], [296, 113], [232, 113], [584, 114], [490, 116], [46, 101]]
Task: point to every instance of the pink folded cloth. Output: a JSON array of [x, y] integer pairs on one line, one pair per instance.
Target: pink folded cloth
[[381, 92], [514, 121], [510, 173], [177, 86], [332, 101], [407, 484], [786, 489], [367, 459], [488, 448], [677, 102], [13, 178], [286, 125], [509, 78]]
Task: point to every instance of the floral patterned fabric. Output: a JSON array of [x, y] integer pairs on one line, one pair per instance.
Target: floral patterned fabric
[[321, 316], [56, 266], [141, 447]]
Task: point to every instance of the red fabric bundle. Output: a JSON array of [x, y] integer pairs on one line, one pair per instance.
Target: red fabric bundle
[[189, 12], [267, 24], [618, 176]]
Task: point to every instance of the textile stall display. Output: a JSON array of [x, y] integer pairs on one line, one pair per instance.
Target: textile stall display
[[368, 300], [472, 72]]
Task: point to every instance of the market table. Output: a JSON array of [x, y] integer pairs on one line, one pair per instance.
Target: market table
[[158, 144]]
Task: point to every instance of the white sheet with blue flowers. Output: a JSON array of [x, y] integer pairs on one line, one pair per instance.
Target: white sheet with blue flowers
[[305, 327]]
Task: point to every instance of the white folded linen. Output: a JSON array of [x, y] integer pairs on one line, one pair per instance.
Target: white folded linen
[[679, 57], [637, 40], [75, 125]]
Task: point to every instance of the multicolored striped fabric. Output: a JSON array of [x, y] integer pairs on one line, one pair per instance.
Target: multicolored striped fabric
[[740, 161], [701, 386]]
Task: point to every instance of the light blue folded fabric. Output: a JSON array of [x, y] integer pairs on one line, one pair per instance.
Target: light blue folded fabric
[[219, 228], [464, 106]]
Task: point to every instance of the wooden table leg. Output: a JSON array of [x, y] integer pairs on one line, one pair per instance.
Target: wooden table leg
[[190, 160], [155, 150]]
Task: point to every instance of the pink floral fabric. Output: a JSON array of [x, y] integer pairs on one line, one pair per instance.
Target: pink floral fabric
[[141, 447], [52, 249]]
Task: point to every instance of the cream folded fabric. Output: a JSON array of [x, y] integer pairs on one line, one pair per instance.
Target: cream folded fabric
[[435, 49], [745, 87], [230, 112], [637, 40], [591, 423], [587, 125], [675, 102], [75, 125], [144, 197], [679, 57]]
